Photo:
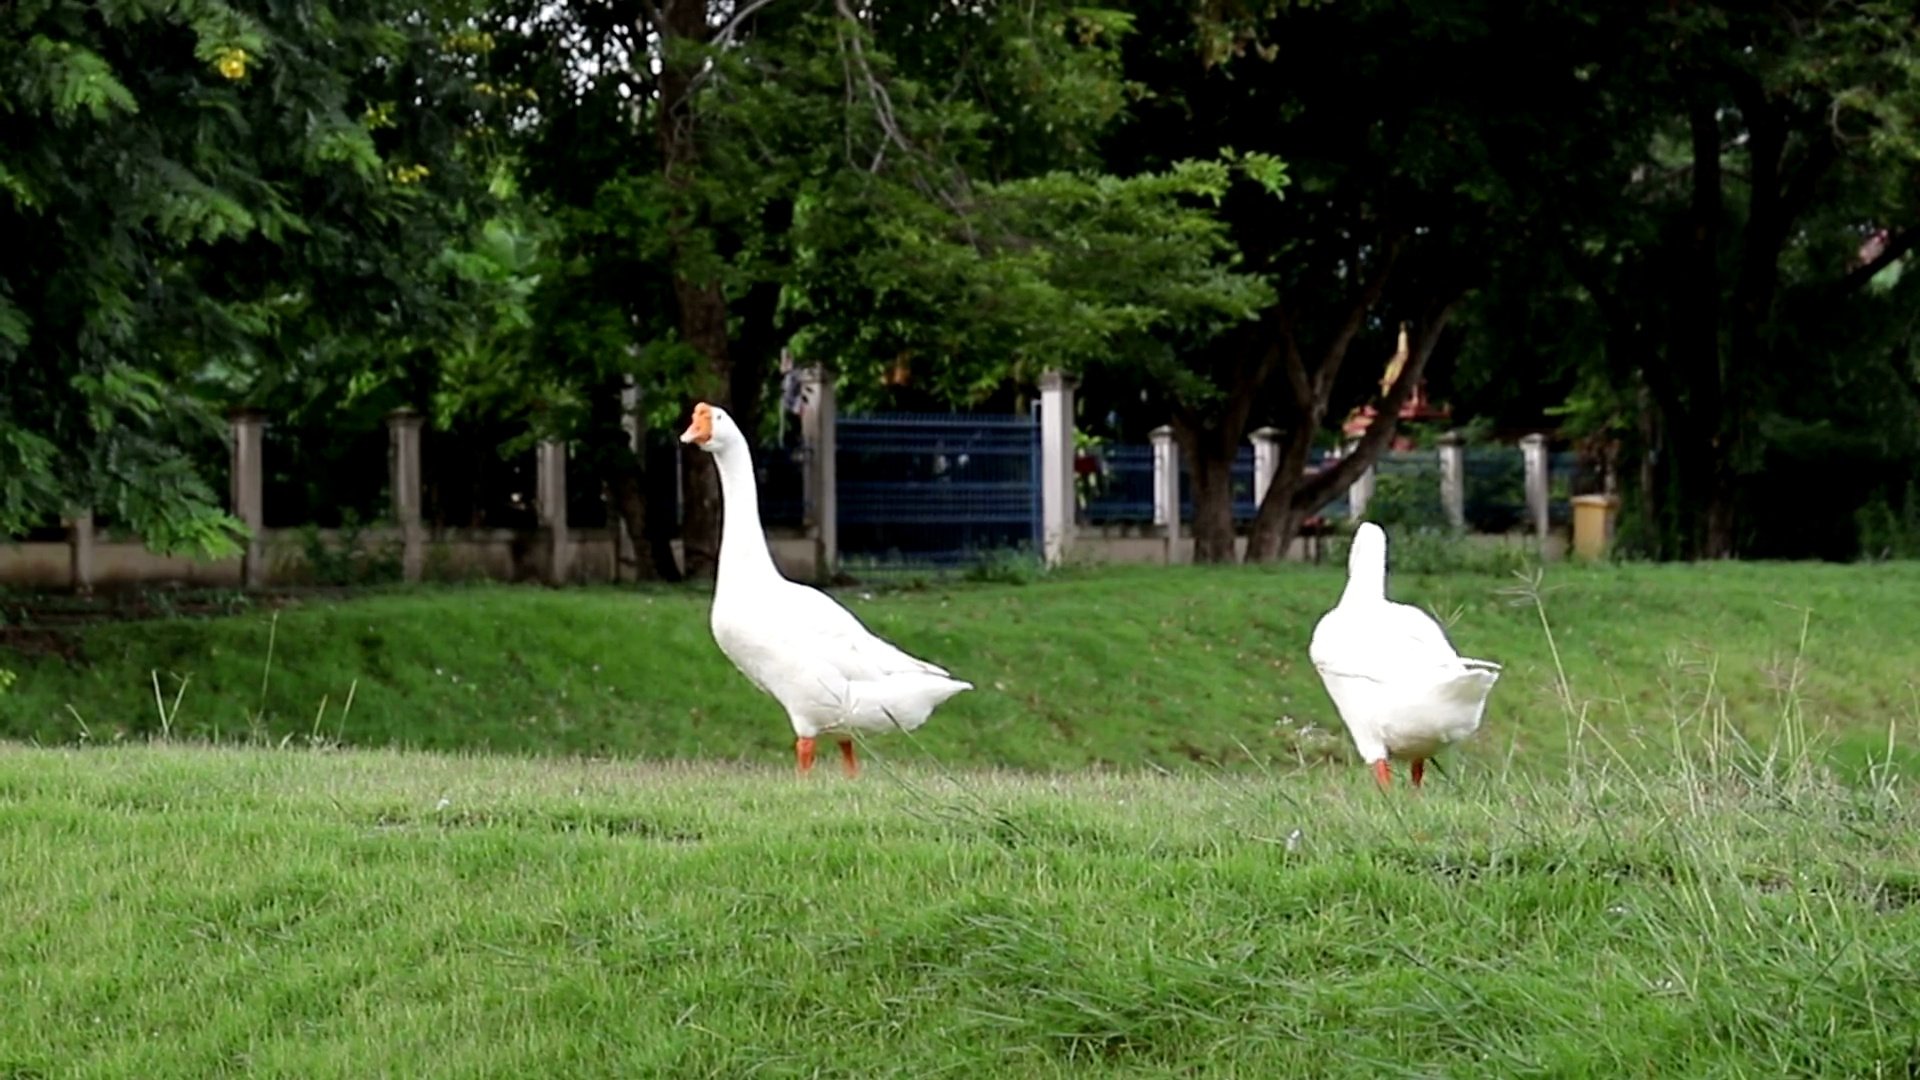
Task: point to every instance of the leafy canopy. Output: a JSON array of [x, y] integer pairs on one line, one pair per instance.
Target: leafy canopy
[[203, 202]]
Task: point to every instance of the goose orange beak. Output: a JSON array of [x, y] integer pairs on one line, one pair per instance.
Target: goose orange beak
[[701, 429]]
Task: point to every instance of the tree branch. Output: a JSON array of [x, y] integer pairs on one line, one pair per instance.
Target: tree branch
[[1296, 365], [1369, 295], [1246, 389], [1320, 488], [1799, 190], [1587, 276], [853, 53], [725, 36], [1897, 245], [876, 92]]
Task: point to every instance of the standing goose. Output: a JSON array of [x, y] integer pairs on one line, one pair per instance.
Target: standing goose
[[1399, 686], [830, 673]]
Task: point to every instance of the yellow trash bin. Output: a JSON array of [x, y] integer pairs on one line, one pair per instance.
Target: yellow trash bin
[[1593, 524]]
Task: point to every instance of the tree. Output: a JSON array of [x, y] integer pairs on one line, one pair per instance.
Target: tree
[[1765, 144], [199, 201], [1389, 119], [908, 187]]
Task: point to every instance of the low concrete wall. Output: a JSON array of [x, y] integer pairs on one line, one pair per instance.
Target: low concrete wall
[[1148, 544], [454, 555], [520, 555]]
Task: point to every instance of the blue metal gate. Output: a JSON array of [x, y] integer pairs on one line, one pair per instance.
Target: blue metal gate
[[936, 489]]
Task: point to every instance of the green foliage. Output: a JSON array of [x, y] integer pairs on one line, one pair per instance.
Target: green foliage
[[328, 211], [1729, 327], [490, 364], [914, 191], [348, 556], [1889, 530], [1420, 546], [206, 203], [1406, 500], [1006, 567], [1062, 270]]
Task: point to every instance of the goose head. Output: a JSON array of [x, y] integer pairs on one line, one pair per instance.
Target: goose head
[[712, 429], [1367, 563]]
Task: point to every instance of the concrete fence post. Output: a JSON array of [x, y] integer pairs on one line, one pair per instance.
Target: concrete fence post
[[1266, 461], [248, 478], [630, 422], [1533, 451], [1056, 465], [404, 481], [1361, 493], [1166, 486], [80, 539], [1453, 479], [550, 502], [820, 432]]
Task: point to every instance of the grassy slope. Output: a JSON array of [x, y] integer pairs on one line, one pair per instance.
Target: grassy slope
[[175, 912], [1119, 667]]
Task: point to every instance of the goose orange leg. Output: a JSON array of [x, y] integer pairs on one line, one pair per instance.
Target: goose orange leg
[[1382, 773], [846, 758], [1419, 768], [803, 753]]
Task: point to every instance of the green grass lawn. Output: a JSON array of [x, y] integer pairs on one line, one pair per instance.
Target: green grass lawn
[[1649, 868], [183, 912], [1115, 668]]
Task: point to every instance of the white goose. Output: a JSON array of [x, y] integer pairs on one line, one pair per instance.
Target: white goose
[[1398, 684], [830, 673]]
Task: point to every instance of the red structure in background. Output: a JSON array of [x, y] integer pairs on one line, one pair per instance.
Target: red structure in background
[[1416, 408]]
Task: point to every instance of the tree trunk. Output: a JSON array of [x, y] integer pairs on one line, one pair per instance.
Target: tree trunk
[[1721, 356], [1698, 327], [703, 324], [1288, 501], [1293, 496], [1272, 537], [1279, 517], [1210, 467], [1652, 458], [622, 474], [754, 352], [702, 306]]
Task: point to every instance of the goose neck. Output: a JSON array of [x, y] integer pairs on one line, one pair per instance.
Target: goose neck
[[743, 544]]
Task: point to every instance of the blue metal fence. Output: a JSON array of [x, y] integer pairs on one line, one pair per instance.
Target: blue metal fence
[[1562, 468], [781, 473], [1241, 478], [1339, 508], [1125, 492], [1406, 489], [1496, 488], [937, 489]]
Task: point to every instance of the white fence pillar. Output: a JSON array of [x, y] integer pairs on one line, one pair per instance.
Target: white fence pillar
[[1266, 461], [1533, 451], [630, 416], [1166, 485], [630, 422], [403, 474], [248, 477], [1453, 479], [80, 550], [819, 430], [550, 502], [1056, 464], [1361, 492]]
